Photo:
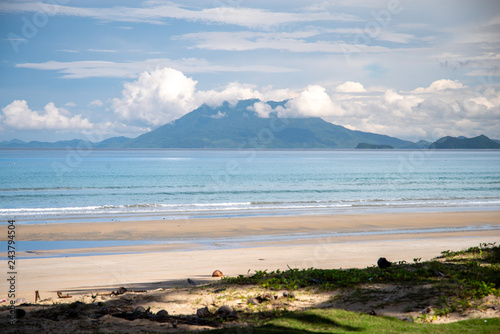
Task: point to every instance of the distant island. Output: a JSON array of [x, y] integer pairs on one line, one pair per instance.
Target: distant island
[[238, 126], [479, 142], [365, 146]]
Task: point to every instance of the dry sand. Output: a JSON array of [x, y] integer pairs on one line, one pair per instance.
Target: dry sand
[[163, 266]]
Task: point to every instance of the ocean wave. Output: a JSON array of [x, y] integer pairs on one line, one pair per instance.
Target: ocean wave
[[252, 206]]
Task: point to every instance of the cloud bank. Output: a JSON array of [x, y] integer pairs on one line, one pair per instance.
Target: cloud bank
[[444, 107], [163, 95], [18, 115]]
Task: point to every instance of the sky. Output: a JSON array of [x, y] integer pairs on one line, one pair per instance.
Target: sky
[[94, 69]]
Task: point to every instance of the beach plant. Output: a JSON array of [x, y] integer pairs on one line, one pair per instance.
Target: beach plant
[[458, 277]]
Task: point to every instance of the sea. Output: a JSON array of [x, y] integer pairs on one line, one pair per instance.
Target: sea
[[88, 184]]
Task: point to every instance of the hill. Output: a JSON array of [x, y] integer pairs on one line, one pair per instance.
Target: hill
[[479, 142], [237, 126]]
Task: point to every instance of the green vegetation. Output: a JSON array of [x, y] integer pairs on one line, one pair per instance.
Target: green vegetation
[[472, 273], [340, 321], [453, 282]]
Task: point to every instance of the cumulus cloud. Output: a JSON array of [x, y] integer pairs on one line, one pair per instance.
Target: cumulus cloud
[[157, 97], [350, 87], [446, 108], [18, 115], [312, 101], [438, 85], [163, 95]]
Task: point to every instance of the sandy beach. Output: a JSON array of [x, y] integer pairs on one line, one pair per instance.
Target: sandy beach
[[350, 241]]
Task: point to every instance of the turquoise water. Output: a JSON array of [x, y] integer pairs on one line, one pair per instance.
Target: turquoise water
[[173, 184]]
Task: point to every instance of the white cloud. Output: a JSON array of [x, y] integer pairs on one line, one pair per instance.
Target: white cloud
[[18, 115], [262, 109], [438, 85], [158, 13], [218, 115], [70, 104], [350, 87], [102, 69], [312, 101], [293, 42], [163, 95], [102, 50], [157, 97], [95, 103], [447, 108]]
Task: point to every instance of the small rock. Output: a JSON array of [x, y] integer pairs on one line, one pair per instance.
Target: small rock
[[162, 314], [253, 301], [428, 310], [266, 297], [139, 309], [134, 315], [225, 310], [383, 263], [20, 313], [203, 312], [120, 291], [217, 273]]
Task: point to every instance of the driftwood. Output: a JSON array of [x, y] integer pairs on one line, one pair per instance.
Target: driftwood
[[60, 295]]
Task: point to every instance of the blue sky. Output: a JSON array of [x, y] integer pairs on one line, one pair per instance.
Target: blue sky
[[96, 69]]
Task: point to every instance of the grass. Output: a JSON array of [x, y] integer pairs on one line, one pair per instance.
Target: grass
[[340, 321], [455, 282]]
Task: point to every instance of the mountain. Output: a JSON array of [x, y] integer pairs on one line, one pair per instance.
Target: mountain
[[75, 143], [114, 142], [237, 126], [423, 143], [479, 142]]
